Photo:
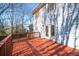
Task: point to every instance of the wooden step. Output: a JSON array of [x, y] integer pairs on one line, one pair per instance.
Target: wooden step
[[45, 46], [54, 51], [49, 48]]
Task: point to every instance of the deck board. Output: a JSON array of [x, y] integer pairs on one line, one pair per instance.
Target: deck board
[[42, 47]]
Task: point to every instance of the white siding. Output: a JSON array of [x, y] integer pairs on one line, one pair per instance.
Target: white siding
[[63, 27], [74, 33]]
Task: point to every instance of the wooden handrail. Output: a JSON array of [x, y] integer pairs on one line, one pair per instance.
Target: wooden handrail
[[6, 46]]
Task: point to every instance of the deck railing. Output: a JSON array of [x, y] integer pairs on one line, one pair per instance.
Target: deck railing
[[6, 43], [27, 35], [6, 46], [33, 35], [2, 37]]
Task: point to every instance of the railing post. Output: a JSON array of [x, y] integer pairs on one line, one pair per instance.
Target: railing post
[[5, 48]]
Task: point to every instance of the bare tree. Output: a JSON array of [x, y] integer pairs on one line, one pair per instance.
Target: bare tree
[[3, 8]]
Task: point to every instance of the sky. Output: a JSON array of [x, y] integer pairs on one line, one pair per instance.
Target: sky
[[27, 7]]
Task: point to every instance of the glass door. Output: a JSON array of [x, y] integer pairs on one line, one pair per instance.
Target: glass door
[[46, 31]]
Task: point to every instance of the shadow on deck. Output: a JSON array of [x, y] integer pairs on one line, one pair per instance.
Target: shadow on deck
[[41, 47]]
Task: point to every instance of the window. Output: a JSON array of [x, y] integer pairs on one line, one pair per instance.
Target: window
[[52, 30]]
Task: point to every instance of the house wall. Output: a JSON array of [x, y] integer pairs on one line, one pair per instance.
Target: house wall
[[38, 22], [68, 24], [66, 20]]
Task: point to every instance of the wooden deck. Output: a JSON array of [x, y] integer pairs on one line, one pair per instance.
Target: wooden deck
[[41, 47]]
